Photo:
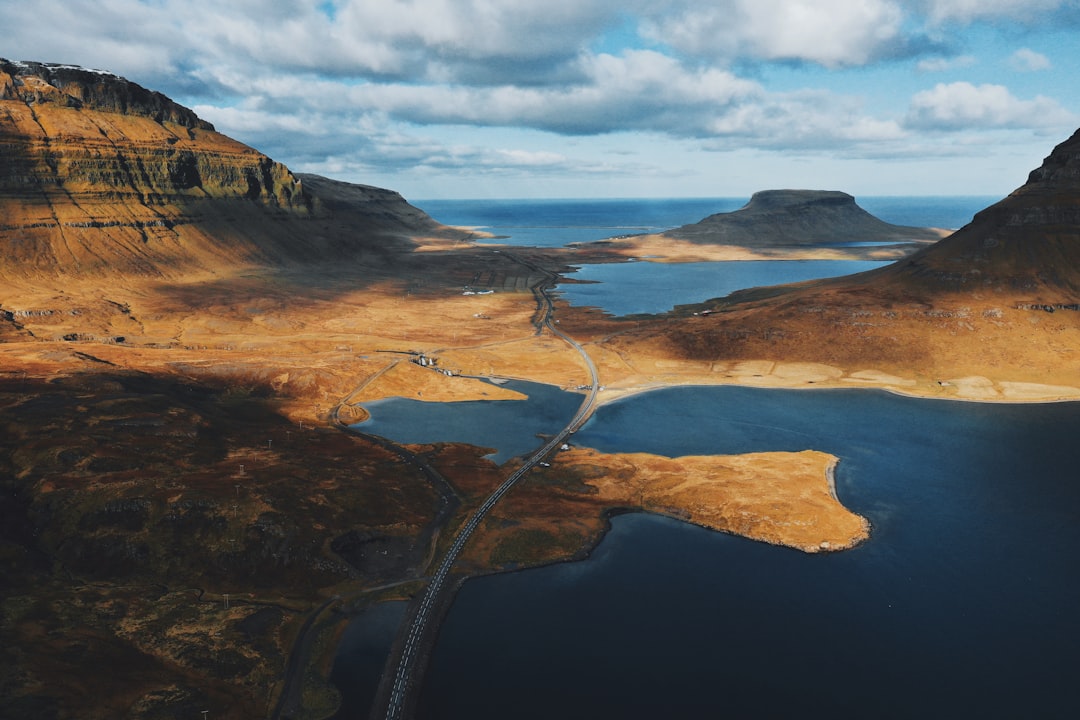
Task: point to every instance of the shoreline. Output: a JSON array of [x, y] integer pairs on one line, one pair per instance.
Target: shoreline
[[793, 376], [611, 395], [662, 248]]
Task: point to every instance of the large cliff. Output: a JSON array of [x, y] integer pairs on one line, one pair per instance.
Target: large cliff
[[781, 218], [100, 175]]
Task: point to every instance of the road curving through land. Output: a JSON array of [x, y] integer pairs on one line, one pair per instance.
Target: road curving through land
[[397, 692]]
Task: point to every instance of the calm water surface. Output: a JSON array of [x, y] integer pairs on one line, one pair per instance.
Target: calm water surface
[[361, 654], [963, 603], [658, 287], [553, 223], [508, 427]]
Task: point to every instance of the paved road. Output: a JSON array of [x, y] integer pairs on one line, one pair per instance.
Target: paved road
[[399, 701], [289, 699]]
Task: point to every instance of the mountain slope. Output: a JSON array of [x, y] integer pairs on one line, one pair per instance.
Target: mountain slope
[[1025, 247], [798, 218], [99, 175]]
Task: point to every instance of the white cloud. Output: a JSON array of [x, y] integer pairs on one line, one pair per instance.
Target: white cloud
[[967, 11], [1027, 60], [393, 85], [483, 40], [831, 33], [637, 91], [962, 105], [936, 65], [90, 35]]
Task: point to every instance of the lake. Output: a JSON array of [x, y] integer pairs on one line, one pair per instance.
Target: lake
[[508, 427]]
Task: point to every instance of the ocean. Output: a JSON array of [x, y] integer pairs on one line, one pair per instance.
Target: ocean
[[557, 222], [659, 288], [961, 604]]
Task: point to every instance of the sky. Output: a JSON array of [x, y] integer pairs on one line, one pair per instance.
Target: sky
[[601, 98]]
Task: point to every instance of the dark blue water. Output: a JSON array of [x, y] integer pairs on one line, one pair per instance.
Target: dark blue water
[[508, 427], [950, 213], [963, 603], [361, 654], [553, 223], [658, 287]]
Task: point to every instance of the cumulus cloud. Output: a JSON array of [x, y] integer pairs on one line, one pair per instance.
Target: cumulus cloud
[[640, 90], [471, 41], [492, 40], [936, 65], [962, 105], [1027, 60], [383, 84], [967, 11], [831, 33]]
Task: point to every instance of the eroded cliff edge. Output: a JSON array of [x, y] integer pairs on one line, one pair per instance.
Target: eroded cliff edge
[[99, 175]]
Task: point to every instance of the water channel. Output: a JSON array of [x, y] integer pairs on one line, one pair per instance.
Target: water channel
[[658, 287]]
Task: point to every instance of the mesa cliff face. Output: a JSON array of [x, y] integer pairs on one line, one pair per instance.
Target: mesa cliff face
[[798, 218], [99, 175]]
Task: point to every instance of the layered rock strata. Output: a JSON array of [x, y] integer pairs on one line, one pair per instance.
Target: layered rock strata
[[100, 175]]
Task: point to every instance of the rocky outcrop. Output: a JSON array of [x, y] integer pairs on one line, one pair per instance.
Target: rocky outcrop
[[69, 86], [786, 218], [100, 175]]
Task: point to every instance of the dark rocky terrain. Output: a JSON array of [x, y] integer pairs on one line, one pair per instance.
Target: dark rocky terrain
[[798, 218], [1025, 247], [138, 490]]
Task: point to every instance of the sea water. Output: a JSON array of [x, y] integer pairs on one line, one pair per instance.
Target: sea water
[[631, 288], [659, 287], [554, 223], [963, 602]]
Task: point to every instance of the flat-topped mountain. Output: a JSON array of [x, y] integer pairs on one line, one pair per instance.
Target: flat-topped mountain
[[100, 175], [776, 218]]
